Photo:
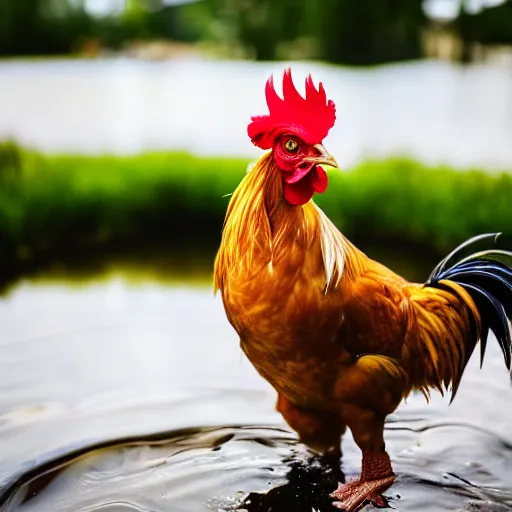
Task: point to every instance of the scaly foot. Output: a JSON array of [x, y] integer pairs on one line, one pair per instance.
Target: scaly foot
[[352, 496]]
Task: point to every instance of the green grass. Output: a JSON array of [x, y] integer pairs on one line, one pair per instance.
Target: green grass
[[53, 206], [430, 207]]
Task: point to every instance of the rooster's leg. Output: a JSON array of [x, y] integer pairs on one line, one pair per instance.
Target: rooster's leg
[[320, 431], [377, 474]]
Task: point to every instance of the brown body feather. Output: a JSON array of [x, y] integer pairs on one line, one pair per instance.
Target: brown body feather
[[340, 337]]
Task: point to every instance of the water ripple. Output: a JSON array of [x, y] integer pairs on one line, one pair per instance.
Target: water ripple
[[252, 468]]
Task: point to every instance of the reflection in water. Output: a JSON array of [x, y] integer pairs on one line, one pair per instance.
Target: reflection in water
[[90, 373]]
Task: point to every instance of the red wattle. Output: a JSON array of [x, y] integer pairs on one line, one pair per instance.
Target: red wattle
[[300, 192], [319, 179]]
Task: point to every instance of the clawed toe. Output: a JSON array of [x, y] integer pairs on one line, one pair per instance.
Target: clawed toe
[[352, 496]]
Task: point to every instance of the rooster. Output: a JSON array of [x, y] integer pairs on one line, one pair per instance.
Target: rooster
[[340, 337]]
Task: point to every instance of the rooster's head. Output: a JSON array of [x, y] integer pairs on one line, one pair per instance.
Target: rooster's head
[[294, 130]]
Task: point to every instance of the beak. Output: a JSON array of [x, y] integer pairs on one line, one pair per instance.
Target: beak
[[324, 158]]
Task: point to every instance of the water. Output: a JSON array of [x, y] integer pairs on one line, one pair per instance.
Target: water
[[433, 111], [133, 395]]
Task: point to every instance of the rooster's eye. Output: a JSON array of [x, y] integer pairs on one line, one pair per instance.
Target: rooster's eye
[[291, 145]]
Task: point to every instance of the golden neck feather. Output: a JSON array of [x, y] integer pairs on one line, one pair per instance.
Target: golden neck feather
[[261, 227]]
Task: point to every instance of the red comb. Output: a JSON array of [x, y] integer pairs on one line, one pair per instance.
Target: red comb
[[309, 118]]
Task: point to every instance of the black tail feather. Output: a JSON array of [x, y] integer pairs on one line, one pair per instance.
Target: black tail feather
[[492, 310], [487, 276]]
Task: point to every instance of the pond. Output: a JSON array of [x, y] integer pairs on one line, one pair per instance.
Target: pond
[[132, 394], [432, 111]]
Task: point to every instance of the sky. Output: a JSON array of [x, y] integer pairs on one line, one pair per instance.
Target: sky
[[448, 9], [441, 9]]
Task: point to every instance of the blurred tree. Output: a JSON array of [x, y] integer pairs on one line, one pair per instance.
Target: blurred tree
[[369, 32], [355, 32], [259, 25], [492, 25], [41, 26], [465, 27], [13, 16], [154, 20], [186, 23], [37, 27], [345, 31]]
